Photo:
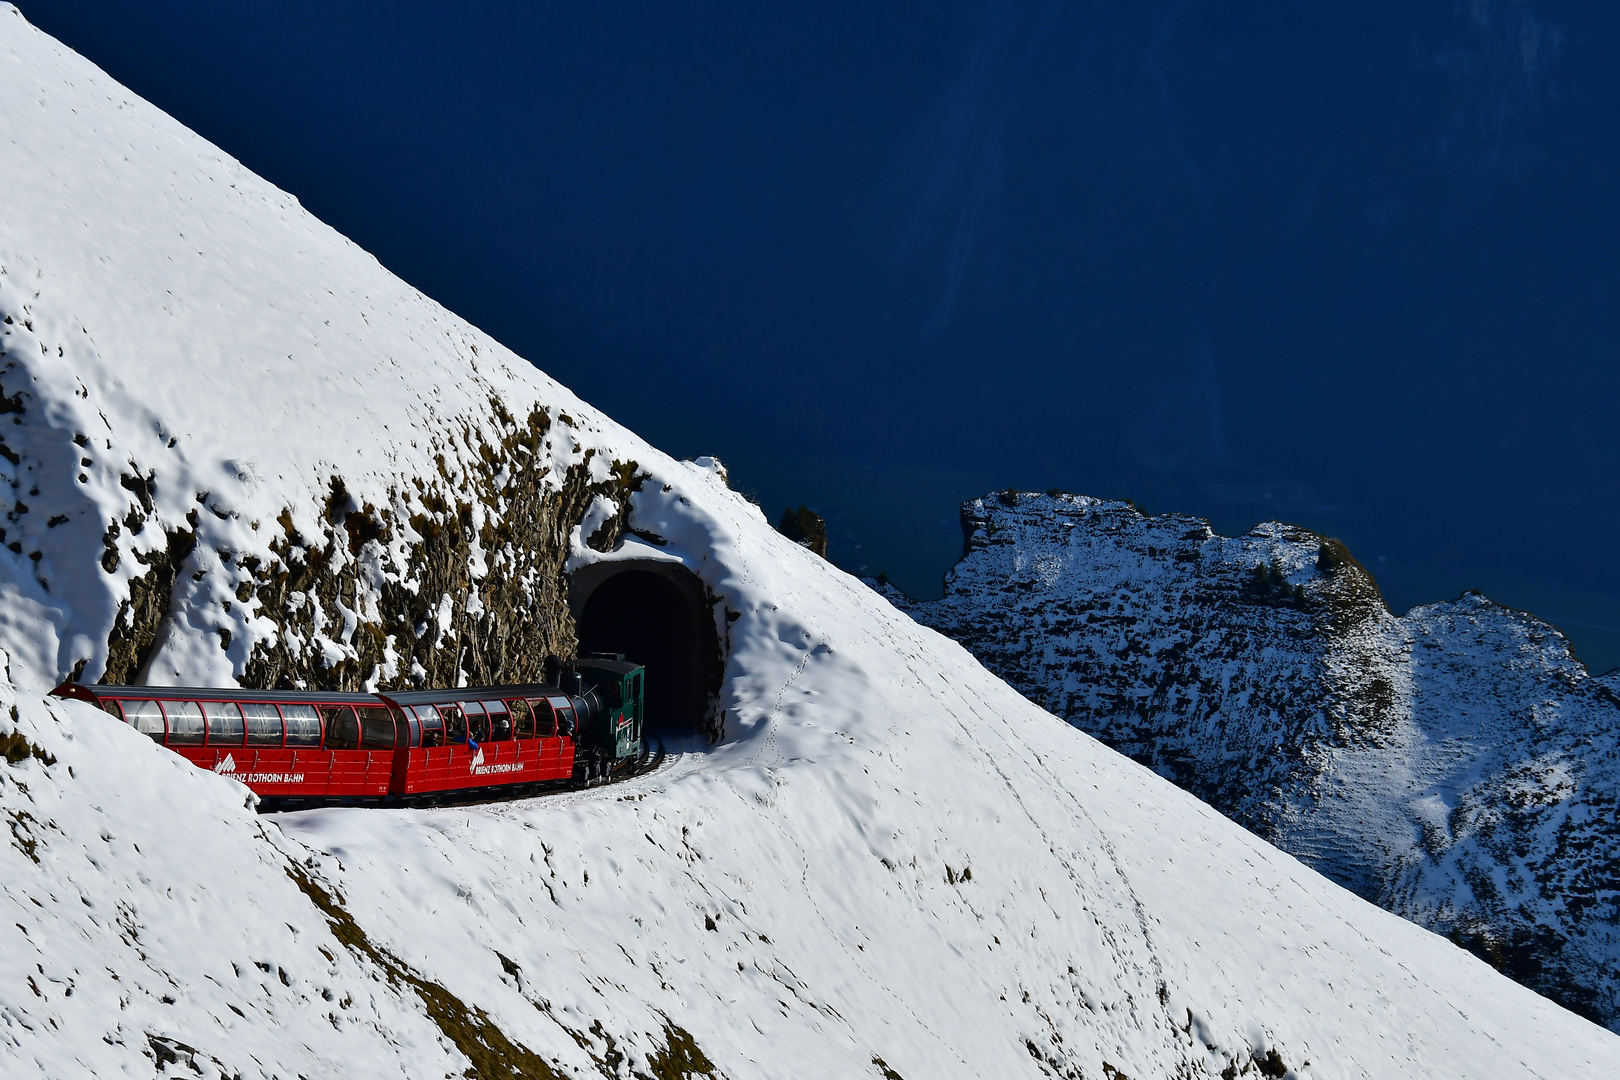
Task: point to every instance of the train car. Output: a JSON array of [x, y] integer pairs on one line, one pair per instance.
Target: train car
[[480, 737], [283, 744], [300, 748]]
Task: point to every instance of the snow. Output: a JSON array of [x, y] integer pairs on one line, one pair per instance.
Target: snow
[[892, 857]]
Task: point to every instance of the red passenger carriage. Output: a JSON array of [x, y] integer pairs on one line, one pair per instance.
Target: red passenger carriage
[[482, 737], [293, 747], [289, 744]]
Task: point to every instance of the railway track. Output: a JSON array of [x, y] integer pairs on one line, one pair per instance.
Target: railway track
[[646, 763]]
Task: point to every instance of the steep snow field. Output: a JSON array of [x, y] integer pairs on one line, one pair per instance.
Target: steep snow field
[[892, 865]]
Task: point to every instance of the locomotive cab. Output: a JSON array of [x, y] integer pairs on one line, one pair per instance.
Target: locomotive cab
[[619, 685]]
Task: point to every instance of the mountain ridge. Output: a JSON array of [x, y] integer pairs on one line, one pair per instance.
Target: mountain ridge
[[1455, 765]]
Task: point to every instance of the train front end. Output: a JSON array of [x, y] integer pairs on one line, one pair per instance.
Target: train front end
[[613, 729]]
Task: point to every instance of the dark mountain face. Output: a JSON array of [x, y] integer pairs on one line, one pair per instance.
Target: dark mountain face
[[1455, 765]]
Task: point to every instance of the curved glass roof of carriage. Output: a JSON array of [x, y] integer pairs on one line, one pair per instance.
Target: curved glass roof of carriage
[[333, 697], [470, 693], [228, 693]]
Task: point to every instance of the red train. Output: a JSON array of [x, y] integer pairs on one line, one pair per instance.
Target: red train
[[298, 748]]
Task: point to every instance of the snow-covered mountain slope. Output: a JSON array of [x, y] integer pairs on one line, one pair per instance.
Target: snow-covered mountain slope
[[237, 446], [1456, 765], [893, 865]]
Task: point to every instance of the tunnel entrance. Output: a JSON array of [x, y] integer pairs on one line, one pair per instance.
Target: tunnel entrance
[[655, 614]]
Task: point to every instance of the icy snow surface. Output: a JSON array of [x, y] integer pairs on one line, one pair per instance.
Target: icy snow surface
[[893, 862]]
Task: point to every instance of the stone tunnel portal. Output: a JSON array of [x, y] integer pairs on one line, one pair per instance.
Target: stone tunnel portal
[[655, 613]]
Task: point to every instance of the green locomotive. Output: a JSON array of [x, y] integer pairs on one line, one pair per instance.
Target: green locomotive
[[609, 738]]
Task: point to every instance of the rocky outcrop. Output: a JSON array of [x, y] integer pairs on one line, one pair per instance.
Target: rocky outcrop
[[450, 575], [461, 580], [806, 528], [1456, 765]]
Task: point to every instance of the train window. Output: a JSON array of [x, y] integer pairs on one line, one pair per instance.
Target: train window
[[522, 718], [432, 725], [110, 707], [565, 719], [185, 723], [404, 727], [376, 727], [146, 718], [477, 721], [500, 721], [263, 724], [342, 733], [612, 693], [224, 722], [545, 720], [303, 725], [455, 725]]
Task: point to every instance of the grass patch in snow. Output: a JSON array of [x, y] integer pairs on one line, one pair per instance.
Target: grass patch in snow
[[492, 1054], [883, 1067], [680, 1059], [167, 1051], [16, 748], [22, 834]]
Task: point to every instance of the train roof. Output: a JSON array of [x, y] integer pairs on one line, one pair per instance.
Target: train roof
[[616, 663], [98, 691], [213, 693], [470, 693]]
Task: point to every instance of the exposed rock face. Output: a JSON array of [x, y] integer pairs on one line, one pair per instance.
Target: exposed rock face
[[476, 590], [454, 573], [806, 528], [1456, 765]]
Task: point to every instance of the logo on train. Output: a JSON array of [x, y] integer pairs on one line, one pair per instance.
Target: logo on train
[[477, 767], [227, 767]]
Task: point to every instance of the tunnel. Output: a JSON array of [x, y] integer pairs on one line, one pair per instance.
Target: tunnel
[[656, 614]]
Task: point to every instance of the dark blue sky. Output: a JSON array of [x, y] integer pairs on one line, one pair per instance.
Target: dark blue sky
[[1353, 266]]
